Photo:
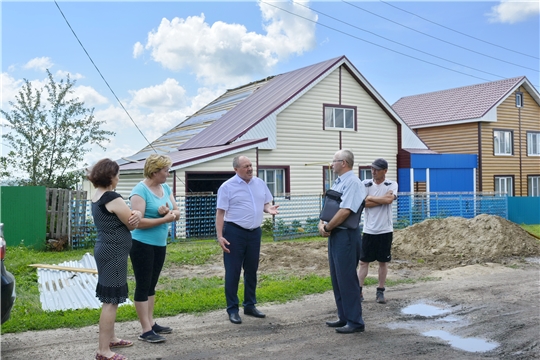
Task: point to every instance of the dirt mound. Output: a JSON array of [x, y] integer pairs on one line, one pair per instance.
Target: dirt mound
[[435, 244], [485, 238]]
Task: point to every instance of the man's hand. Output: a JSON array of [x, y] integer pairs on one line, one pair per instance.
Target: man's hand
[[271, 209], [223, 243], [322, 232]]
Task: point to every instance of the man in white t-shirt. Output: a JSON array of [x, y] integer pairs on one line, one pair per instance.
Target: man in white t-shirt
[[378, 226]]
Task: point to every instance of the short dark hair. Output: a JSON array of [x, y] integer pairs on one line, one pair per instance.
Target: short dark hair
[[102, 173]]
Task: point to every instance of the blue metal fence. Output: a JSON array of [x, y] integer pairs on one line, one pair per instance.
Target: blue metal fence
[[299, 214]]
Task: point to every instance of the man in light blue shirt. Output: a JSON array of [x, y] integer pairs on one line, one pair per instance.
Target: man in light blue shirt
[[344, 246], [241, 202]]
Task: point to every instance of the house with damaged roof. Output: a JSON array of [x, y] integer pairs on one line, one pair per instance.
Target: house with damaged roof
[[289, 125]]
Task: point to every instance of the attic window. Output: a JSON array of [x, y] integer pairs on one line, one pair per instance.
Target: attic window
[[339, 117], [519, 99]]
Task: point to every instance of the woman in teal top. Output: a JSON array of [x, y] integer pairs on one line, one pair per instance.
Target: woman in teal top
[[154, 199]]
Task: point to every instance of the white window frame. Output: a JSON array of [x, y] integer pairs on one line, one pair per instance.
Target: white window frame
[[533, 185], [275, 183], [504, 185], [341, 118], [365, 174], [502, 142], [533, 143]]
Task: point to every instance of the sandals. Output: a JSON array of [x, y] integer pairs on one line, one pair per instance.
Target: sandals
[[120, 344], [114, 357]]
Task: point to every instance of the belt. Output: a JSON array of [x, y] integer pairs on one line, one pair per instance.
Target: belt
[[240, 227]]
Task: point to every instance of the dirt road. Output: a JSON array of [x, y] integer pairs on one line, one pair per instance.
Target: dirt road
[[482, 301], [488, 305]]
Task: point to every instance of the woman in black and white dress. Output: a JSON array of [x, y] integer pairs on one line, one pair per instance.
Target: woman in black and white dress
[[113, 220]]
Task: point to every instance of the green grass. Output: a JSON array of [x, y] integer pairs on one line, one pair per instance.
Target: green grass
[[534, 229], [174, 295]]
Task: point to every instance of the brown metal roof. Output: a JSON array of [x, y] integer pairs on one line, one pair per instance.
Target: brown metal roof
[[183, 157], [256, 107], [454, 105]]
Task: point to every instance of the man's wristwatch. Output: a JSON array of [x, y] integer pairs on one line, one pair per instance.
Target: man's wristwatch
[[325, 229]]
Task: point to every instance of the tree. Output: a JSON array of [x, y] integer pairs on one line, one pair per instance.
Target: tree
[[48, 139]]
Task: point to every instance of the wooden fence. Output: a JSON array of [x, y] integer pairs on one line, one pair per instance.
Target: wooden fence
[[61, 211]]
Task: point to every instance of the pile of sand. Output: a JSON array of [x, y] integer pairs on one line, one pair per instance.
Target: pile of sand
[[486, 238]]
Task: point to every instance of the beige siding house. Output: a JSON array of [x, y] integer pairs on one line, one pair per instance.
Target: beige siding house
[[289, 125], [499, 121]]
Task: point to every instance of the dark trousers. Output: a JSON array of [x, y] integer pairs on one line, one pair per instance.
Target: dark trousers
[[343, 255], [245, 247], [147, 261]]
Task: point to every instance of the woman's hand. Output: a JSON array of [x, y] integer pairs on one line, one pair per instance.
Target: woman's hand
[[170, 217], [164, 209], [135, 218]]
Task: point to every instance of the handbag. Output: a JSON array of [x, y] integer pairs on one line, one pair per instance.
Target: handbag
[[332, 199]]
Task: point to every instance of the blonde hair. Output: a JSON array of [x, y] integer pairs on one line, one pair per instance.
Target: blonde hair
[[155, 163]]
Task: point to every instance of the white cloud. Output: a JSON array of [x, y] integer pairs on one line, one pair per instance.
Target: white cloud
[[513, 11], [166, 96], [10, 88], [63, 74], [138, 49], [41, 64], [224, 53], [89, 96]]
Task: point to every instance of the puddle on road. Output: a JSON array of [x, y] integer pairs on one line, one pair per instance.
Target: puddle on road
[[424, 310], [435, 319], [467, 344]]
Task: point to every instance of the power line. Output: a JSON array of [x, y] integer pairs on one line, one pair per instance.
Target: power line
[[436, 38], [112, 91], [372, 43], [99, 72], [396, 42], [459, 32]]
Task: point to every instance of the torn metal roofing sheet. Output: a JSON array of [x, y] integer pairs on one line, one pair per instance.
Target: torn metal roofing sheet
[[261, 103], [455, 105], [63, 290], [184, 158], [193, 125]]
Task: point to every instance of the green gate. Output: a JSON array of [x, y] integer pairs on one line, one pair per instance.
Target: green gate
[[24, 214]]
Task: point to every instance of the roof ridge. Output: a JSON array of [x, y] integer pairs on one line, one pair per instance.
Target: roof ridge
[[490, 83]]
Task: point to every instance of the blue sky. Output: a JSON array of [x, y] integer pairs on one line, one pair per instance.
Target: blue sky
[[165, 60]]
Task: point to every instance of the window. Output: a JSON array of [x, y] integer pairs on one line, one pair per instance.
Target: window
[[339, 117], [504, 185], [533, 183], [519, 99], [533, 143], [365, 173], [502, 142], [328, 177], [274, 179]]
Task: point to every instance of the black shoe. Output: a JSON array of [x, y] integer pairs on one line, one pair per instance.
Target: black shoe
[[337, 323], [254, 312], [235, 318], [158, 329], [151, 337], [349, 329]]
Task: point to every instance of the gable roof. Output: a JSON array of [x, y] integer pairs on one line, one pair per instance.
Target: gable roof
[[276, 95], [465, 104], [228, 118]]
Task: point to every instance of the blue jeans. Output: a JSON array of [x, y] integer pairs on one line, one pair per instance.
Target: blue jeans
[[245, 247]]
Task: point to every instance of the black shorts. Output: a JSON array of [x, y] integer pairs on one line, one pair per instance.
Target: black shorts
[[376, 247]]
